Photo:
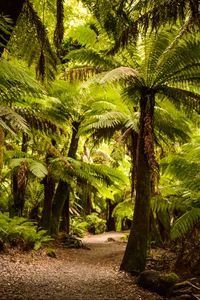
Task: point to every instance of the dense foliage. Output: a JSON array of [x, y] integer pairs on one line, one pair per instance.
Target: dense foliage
[[99, 117]]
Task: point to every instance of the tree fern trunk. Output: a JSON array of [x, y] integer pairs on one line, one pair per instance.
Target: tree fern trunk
[[134, 259], [63, 190], [11, 9], [110, 219], [59, 30], [64, 226], [1, 150], [19, 182], [58, 204], [49, 189]]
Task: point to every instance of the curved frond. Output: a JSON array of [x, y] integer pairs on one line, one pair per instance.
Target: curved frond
[[120, 74], [92, 58], [185, 223], [11, 121], [181, 97], [171, 124], [15, 82], [35, 167], [31, 43]]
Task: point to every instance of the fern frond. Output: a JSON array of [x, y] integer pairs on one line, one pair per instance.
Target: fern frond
[[5, 30], [41, 120], [35, 167], [30, 41], [11, 121], [15, 82], [90, 57], [185, 223]]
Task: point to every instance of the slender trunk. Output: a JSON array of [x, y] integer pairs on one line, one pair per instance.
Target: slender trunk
[[19, 182], [11, 9], [25, 139], [110, 219], [59, 30], [88, 210], [134, 259], [2, 136], [58, 204], [64, 226], [49, 189], [63, 189]]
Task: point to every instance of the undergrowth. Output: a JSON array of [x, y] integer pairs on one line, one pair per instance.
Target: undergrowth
[[21, 233]]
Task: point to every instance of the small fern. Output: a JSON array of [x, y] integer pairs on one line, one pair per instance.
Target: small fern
[[21, 233]]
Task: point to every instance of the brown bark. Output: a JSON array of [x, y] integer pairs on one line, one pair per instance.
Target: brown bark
[[63, 190], [1, 150], [134, 259]]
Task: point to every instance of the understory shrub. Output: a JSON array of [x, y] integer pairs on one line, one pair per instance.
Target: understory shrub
[[78, 227], [188, 252], [70, 241], [95, 224], [19, 232]]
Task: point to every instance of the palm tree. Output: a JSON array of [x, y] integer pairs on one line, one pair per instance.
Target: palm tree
[[161, 71]]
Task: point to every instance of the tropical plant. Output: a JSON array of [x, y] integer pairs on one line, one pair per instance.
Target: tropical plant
[[160, 71], [183, 168], [22, 233], [126, 20]]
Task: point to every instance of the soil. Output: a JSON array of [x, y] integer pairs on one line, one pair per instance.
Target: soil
[[89, 273]]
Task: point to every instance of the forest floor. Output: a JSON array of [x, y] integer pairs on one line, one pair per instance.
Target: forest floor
[[89, 273]]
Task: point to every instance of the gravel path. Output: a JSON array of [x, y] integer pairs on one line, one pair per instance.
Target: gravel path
[[76, 274]]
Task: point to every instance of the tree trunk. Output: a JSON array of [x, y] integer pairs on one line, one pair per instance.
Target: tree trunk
[[110, 219], [49, 189], [59, 30], [63, 190], [133, 151], [11, 9], [19, 181], [2, 136], [58, 205], [64, 226], [134, 259]]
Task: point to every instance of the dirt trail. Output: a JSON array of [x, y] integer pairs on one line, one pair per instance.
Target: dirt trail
[[76, 274]]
